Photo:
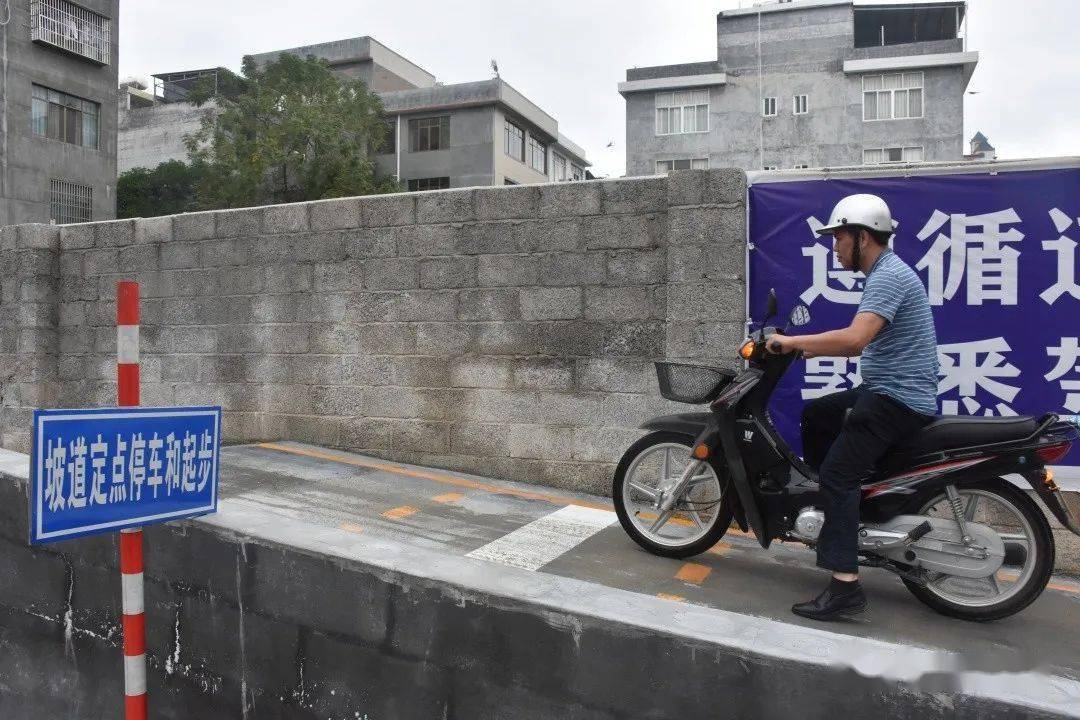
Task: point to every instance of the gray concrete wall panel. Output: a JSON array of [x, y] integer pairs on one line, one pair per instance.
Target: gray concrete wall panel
[[435, 309]]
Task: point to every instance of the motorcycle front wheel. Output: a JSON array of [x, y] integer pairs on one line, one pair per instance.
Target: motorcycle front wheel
[[699, 518], [1029, 554]]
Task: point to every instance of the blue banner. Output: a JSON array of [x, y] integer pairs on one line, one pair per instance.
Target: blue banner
[[101, 470], [997, 254]]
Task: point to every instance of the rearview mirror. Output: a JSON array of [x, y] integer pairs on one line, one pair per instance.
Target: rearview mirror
[[800, 315]]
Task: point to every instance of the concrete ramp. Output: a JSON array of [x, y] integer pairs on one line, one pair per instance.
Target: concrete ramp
[[333, 585]]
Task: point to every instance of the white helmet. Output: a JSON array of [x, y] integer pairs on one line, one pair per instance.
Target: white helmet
[[869, 211]]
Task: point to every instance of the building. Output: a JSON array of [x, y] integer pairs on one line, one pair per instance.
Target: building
[[981, 149], [458, 135], [58, 111], [813, 83], [153, 124]]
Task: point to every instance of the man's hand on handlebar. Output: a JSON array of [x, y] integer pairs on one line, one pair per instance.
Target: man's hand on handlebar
[[780, 344]]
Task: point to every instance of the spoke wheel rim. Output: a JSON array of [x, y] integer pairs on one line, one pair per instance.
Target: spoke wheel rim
[[682, 529], [1007, 581]]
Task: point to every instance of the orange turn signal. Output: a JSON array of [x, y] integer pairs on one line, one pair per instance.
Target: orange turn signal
[[1048, 481], [701, 451], [747, 350]]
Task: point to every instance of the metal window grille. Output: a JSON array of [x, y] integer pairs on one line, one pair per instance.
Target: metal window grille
[[70, 202], [437, 183], [666, 166], [70, 27], [878, 156]]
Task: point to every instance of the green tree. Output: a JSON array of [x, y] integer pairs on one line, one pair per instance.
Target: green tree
[[289, 131], [166, 190]]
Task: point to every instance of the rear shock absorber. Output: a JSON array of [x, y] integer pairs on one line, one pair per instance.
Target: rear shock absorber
[[958, 511]]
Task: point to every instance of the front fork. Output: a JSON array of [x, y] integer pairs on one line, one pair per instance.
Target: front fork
[[667, 497]]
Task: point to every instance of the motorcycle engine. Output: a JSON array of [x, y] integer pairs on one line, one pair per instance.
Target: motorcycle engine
[[808, 524]]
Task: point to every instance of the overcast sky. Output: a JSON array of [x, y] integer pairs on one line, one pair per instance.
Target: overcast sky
[[568, 55]]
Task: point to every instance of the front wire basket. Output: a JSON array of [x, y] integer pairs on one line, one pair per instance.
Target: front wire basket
[[691, 384]]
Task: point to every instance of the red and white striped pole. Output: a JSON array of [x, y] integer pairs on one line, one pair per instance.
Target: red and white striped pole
[[131, 556]]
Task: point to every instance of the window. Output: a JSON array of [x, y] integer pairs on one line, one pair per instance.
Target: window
[[558, 167], [877, 156], [439, 183], [577, 172], [666, 166], [800, 104], [682, 112], [59, 116], [70, 27], [768, 167], [801, 166], [69, 202], [769, 107], [893, 97], [429, 134], [537, 155], [514, 141]]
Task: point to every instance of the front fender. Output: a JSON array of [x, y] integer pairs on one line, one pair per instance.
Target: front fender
[[689, 423]]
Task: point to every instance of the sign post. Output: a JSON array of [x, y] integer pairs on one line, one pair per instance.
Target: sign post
[[107, 469], [131, 557]]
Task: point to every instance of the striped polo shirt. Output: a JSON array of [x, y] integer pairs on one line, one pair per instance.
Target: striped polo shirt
[[901, 361]]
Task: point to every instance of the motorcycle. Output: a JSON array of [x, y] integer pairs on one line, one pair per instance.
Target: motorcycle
[[938, 511]]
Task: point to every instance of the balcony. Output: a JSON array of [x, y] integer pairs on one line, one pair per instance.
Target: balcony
[[72, 28]]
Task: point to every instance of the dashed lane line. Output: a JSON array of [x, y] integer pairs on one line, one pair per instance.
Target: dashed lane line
[[400, 512], [693, 573]]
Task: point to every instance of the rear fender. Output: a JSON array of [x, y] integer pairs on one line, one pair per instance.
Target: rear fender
[[1050, 494]]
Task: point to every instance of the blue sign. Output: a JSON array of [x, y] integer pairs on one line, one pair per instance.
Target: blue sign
[[101, 470], [998, 256]]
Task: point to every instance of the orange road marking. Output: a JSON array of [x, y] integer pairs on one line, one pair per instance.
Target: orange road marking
[[719, 548], [1013, 577], [400, 512], [439, 477], [448, 497], [673, 598], [351, 527], [693, 573]]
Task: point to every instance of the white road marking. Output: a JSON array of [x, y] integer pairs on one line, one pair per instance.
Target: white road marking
[[534, 545]]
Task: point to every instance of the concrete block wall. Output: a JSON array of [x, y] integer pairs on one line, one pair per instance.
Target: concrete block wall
[[505, 331]]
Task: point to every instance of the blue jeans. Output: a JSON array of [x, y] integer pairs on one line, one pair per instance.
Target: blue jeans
[[844, 454]]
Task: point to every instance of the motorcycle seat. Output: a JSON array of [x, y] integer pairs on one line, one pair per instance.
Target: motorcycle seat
[[949, 432]]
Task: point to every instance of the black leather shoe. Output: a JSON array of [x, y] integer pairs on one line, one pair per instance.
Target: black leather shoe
[[835, 602]]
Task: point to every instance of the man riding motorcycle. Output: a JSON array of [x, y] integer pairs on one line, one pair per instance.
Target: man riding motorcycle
[[845, 434]]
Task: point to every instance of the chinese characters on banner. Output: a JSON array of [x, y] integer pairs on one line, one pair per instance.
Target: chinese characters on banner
[[105, 469], [997, 255]]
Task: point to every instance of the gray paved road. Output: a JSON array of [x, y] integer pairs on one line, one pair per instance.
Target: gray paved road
[[460, 513]]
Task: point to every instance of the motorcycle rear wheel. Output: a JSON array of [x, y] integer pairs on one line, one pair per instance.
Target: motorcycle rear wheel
[[700, 533], [1028, 579]]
